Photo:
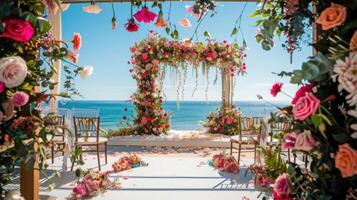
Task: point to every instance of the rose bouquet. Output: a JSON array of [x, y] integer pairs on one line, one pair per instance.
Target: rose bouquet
[[92, 184], [224, 121], [323, 112], [225, 163], [127, 162]]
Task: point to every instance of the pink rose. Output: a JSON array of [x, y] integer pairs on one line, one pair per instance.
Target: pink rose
[[306, 106], [143, 121], [229, 120], [18, 30], [305, 141], [13, 71], [289, 141], [2, 87], [155, 62], [20, 99], [80, 190], [282, 188], [302, 91]]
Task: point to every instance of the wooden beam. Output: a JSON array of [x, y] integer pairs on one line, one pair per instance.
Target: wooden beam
[[55, 21], [123, 1], [29, 182]]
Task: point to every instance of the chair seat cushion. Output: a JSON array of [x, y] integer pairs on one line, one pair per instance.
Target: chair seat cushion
[[91, 140]]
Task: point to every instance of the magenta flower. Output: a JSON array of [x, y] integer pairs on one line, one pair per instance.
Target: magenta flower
[[289, 141], [131, 26], [81, 190], [145, 15], [2, 87], [20, 99]]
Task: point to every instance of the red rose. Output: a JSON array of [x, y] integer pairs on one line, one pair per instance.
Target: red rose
[[18, 30], [276, 88]]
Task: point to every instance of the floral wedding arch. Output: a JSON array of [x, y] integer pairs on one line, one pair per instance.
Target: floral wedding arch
[[154, 54]]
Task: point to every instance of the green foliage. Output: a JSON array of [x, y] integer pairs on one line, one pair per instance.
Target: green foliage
[[273, 161]]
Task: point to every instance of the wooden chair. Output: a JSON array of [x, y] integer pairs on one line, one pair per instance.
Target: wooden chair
[[277, 127], [87, 135], [57, 143], [248, 133]]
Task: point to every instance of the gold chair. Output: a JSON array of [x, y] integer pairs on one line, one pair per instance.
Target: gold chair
[[87, 135], [249, 132]]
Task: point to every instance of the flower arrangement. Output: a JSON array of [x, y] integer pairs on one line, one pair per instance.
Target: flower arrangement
[[127, 162], [274, 165], [150, 59], [323, 111], [92, 184], [224, 121], [225, 163], [262, 176], [28, 51]]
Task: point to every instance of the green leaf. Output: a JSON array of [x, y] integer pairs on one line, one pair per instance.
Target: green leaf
[[265, 45], [316, 120], [234, 31], [297, 77], [310, 70], [207, 34]]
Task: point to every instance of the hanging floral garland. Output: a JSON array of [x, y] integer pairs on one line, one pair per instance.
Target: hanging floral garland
[[154, 54]]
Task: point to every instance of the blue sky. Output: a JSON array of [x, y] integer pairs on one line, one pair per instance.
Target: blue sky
[[108, 52]]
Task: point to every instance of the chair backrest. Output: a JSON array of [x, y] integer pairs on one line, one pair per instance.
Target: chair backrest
[[86, 127], [280, 126], [250, 126], [277, 127]]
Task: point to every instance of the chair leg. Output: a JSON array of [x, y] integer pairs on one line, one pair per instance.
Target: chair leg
[[255, 153], [72, 165], [239, 150], [289, 155], [106, 152], [52, 153], [98, 156]]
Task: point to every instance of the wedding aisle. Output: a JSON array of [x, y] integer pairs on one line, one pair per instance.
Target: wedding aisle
[[180, 173]]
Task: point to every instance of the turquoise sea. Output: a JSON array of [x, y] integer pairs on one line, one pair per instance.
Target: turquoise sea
[[187, 116]]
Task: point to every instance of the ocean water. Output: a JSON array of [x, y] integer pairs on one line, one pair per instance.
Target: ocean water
[[187, 116]]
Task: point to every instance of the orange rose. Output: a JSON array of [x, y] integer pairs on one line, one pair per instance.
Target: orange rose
[[332, 16], [346, 160], [353, 42]]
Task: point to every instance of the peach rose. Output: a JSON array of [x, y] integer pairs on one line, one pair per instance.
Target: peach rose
[[305, 106], [346, 160], [304, 141], [353, 42], [332, 16]]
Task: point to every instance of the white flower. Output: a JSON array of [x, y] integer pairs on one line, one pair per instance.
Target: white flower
[[346, 72], [353, 113], [13, 71], [86, 72]]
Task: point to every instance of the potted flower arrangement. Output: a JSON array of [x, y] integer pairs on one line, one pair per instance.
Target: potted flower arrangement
[[223, 121]]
